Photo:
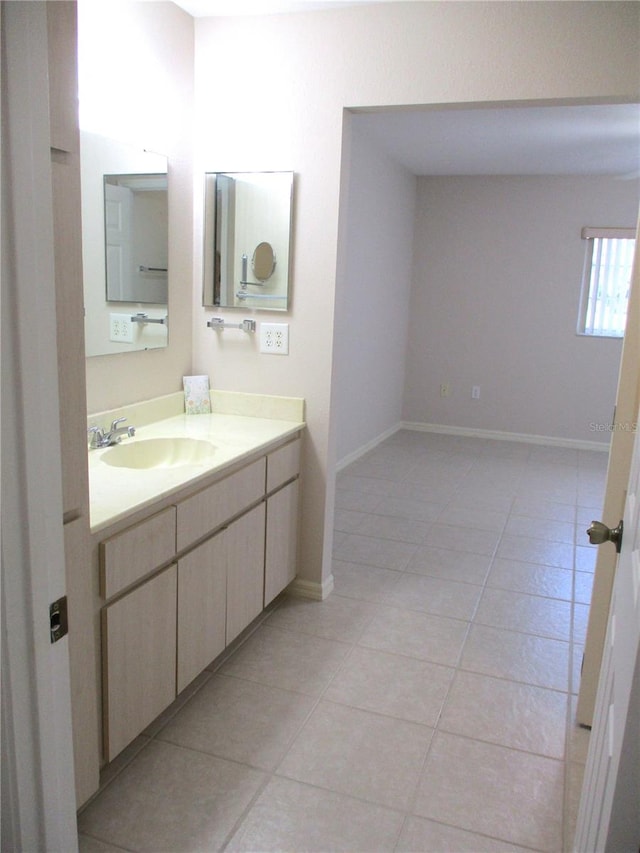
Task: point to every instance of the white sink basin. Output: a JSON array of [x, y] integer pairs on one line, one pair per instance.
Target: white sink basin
[[160, 453]]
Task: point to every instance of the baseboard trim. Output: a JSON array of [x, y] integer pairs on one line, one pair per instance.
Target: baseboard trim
[[356, 454], [497, 435], [311, 589]]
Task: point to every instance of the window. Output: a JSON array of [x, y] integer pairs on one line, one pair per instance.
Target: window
[[606, 281]]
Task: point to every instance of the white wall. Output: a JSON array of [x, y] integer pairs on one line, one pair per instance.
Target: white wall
[[498, 267], [136, 85], [270, 94], [372, 303]]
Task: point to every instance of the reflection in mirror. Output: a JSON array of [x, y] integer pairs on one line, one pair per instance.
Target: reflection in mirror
[[136, 237], [247, 216], [263, 262], [124, 246]]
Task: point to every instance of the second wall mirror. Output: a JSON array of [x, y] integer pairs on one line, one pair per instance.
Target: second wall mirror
[[247, 240], [125, 236]]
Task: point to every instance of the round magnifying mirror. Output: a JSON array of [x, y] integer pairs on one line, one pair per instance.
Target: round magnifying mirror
[[263, 261]]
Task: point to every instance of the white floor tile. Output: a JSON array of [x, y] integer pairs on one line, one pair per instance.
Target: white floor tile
[[426, 836], [419, 635], [363, 755], [546, 529], [383, 553], [435, 595], [516, 656], [337, 618], [529, 549], [449, 565], [240, 720], [393, 685], [391, 527], [520, 716], [531, 578], [530, 614], [495, 791], [288, 660], [368, 583], [462, 539], [289, 815], [170, 798]]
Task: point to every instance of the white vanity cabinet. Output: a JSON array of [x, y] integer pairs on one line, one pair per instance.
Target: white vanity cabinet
[[184, 582]]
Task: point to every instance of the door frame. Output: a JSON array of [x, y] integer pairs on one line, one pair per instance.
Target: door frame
[[38, 792]]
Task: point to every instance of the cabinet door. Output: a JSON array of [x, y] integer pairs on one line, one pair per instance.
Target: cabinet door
[[202, 591], [139, 644], [245, 570], [282, 537]]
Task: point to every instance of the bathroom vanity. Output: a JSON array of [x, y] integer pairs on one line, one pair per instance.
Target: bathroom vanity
[[187, 554]]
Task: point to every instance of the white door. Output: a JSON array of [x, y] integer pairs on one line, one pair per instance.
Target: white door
[[627, 402], [609, 815], [117, 216], [38, 800]]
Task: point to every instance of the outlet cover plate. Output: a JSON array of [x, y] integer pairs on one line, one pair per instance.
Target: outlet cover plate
[[274, 338], [120, 328]]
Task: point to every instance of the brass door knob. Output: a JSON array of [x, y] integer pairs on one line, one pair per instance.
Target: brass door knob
[[599, 533]]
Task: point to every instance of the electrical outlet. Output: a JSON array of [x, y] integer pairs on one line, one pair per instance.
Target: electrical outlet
[[274, 338], [475, 392], [120, 328], [445, 391]]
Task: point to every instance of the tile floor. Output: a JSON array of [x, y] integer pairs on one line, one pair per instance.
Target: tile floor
[[426, 705]]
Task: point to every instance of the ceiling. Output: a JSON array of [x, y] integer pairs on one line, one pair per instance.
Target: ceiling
[[550, 140], [527, 140], [226, 8]]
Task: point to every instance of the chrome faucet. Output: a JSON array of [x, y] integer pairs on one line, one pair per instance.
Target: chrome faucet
[[105, 438]]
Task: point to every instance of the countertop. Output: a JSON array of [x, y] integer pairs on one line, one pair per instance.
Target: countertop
[[117, 492]]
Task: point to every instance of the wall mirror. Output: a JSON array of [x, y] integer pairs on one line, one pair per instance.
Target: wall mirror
[[247, 240], [125, 234]]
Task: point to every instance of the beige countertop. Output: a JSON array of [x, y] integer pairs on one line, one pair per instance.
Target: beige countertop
[[116, 492]]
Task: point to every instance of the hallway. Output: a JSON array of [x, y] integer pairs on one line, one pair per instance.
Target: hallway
[[426, 705]]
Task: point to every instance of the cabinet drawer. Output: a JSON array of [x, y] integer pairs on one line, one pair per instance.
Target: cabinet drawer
[[132, 554], [210, 508], [283, 464]]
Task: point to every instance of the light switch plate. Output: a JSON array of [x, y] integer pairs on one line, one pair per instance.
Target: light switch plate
[[274, 338]]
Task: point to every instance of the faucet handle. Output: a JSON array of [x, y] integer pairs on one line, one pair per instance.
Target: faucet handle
[[97, 435], [114, 424]]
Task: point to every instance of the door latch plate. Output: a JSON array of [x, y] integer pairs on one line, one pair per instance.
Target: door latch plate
[[58, 620]]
